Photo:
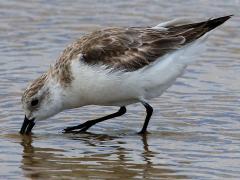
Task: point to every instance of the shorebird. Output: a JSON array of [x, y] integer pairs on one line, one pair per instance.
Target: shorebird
[[115, 67]]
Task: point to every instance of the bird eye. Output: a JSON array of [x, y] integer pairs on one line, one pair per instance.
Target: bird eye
[[34, 102]]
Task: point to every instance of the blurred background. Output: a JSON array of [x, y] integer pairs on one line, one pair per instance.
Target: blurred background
[[195, 126]]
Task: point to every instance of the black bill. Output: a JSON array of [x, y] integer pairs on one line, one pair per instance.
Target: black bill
[[27, 126]]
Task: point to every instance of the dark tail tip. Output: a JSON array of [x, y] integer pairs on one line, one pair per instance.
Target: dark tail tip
[[213, 23]]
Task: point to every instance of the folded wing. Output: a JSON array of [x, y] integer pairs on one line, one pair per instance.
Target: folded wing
[[129, 49]]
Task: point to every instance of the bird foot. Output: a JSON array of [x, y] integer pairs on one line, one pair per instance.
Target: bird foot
[[143, 132], [80, 128]]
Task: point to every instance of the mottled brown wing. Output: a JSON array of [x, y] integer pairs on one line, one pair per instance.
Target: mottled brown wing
[[130, 49]]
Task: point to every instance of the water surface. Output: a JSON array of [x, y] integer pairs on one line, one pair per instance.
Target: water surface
[[195, 127]]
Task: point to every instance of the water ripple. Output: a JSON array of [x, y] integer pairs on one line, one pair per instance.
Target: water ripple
[[195, 126]]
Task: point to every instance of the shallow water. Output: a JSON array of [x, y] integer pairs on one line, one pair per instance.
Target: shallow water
[[195, 127]]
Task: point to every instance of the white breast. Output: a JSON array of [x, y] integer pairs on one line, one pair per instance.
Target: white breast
[[94, 85]]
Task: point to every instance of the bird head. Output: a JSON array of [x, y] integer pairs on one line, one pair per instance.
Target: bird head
[[40, 101]]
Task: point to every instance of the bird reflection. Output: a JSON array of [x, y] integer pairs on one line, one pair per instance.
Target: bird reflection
[[28, 157], [147, 154], [94, 156]]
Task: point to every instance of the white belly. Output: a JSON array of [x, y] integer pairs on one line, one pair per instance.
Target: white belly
[[98, 86]]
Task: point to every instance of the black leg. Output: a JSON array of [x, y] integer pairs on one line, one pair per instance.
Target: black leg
[[149, 111], [85, 126]]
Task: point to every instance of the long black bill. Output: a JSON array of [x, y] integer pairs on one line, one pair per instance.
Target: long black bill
[[27, 126]]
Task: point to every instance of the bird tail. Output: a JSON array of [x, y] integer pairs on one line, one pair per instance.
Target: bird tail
[[197, 30], [213, 23], [195, 36]]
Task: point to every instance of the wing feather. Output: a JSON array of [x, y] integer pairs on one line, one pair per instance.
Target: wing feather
[[129, 49]]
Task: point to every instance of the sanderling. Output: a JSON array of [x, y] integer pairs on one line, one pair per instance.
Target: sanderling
[[114, 67]]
